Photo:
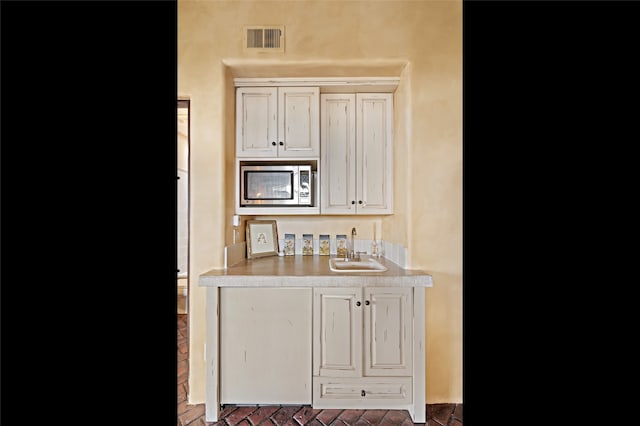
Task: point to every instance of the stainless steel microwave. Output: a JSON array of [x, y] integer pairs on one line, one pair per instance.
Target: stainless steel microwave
[[276, 185]]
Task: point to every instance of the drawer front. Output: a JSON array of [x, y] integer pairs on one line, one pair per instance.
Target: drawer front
[[365, 392]]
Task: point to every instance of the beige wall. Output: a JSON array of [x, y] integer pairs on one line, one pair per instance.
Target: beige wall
[[419, 41]]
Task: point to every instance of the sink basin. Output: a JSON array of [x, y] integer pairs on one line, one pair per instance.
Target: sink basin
[[365, 265]]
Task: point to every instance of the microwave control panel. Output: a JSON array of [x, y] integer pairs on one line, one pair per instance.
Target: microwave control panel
[[304, 195]]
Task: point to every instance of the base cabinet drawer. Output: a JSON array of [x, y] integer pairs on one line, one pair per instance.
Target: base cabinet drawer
[[364, 392]]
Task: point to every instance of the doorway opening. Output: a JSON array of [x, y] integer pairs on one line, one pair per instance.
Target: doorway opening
[[183, 206]]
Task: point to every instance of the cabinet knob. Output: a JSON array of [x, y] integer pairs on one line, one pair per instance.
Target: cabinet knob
[[366, 302], [360, 202], [358, 303], [353, 202], [273, 143], [281, 143], [363, 393]]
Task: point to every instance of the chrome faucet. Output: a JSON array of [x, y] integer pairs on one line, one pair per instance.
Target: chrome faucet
[[353, 246]]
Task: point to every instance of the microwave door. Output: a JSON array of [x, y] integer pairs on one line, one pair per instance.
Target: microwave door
[[270, 187]]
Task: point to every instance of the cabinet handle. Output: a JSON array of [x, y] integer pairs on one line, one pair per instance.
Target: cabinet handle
[[273, 143], [358, 303], [281, 143], [363, 393], [366, 302]]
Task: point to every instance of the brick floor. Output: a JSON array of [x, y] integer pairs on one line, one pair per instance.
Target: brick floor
[[262, 414], [302, 415]]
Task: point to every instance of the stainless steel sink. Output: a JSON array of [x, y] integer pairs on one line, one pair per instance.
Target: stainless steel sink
[[365, 265]]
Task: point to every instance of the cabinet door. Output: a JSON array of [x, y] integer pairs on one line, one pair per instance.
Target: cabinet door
[[337, 332], [374, 147], [256, 122], [388, 331], [265, 345], [338, 150], [298, 122]]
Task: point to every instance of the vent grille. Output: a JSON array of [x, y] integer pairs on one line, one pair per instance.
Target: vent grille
[[264, 38]]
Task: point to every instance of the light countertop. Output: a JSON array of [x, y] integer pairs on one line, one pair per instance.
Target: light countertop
[[309, 271]]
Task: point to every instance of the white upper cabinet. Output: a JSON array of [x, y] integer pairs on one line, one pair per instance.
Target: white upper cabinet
[[374, 153], [356, 140], [338, 149], [277, 122]]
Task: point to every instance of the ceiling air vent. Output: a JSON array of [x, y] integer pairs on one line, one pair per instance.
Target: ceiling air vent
[[264, 38]]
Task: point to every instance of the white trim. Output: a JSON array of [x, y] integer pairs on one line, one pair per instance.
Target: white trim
[[212, 394], [418, 411], [381, 83], [182, 290]]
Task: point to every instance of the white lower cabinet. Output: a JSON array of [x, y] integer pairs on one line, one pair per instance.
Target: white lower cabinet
[[265, 345], [363, 347]]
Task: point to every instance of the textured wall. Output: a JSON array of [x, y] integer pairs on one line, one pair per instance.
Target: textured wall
[[419, 41]]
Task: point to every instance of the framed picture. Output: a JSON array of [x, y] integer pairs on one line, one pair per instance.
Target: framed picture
[[324, 244], [341, 245], [262, 238], [307, 244], [289, 244]]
